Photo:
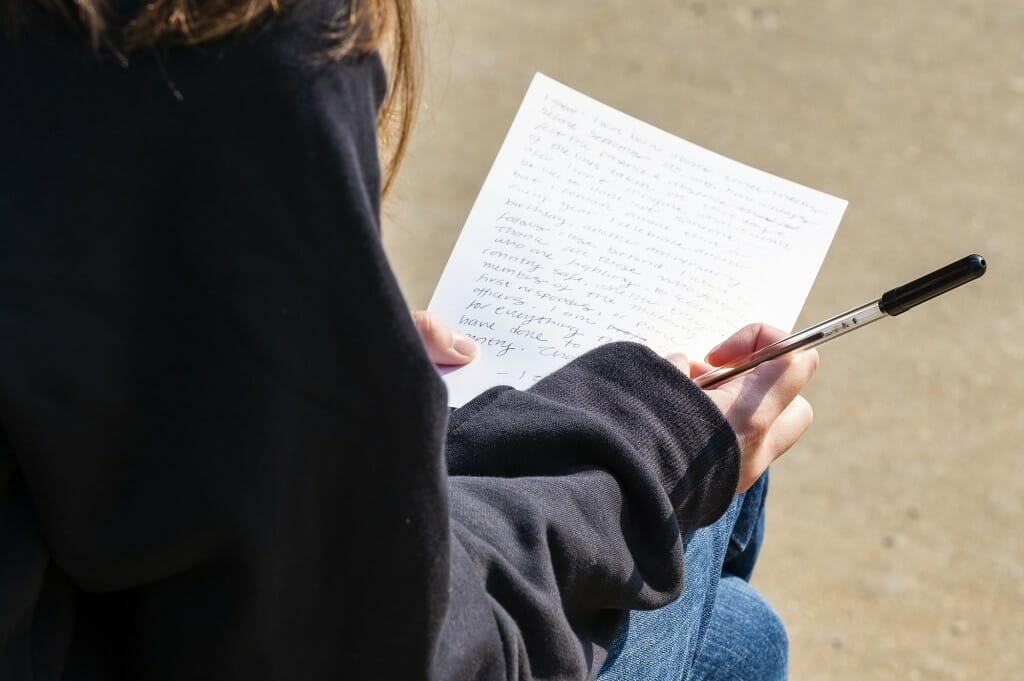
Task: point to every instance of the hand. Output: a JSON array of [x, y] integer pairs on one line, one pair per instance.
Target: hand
[[445, 347], [764, 407]]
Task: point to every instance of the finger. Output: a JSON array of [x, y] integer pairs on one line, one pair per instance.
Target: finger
[[792, 423], [444, 346], [680, 361], [783, 433], [749, 339], [692, 368], [698, 368], [764, 393]]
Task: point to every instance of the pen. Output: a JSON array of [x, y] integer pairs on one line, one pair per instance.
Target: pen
[[894, 302]]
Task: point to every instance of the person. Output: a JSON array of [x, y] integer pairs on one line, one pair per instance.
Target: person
[[719, 628], [224, 452]]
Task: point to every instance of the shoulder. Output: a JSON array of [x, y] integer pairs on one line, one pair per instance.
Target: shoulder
[[287, 52]]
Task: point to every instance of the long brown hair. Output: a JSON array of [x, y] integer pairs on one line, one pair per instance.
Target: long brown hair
[[361, 26]]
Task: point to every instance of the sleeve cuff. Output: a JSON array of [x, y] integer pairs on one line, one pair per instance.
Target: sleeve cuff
[[673, 425]]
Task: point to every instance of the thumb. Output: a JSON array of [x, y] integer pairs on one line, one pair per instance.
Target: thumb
[[444, 346]]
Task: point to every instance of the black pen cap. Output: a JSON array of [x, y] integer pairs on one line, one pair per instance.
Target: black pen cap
[[902, 298]]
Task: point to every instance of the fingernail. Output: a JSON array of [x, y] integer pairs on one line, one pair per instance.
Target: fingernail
[[464, 345], [713, 350]]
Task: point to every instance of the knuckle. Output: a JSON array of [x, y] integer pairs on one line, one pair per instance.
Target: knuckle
[[766, 335], [420, 317], [425, 322], [751, 334], [813, 359], [799, 369], [758, 425]]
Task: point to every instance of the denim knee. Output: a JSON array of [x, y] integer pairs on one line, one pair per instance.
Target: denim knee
[[746, 640]]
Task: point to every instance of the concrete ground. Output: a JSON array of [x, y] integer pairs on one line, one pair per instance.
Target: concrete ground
[[895, 545]]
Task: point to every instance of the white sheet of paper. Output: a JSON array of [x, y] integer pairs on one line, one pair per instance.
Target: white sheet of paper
[[593, 227]]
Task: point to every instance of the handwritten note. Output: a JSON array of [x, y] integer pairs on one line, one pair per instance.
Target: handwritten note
[[594, 227]]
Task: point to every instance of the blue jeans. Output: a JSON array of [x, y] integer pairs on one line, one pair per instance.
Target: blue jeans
[[719, 629]]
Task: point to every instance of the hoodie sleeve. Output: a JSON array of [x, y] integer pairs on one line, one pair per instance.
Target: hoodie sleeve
[[567, 506], [225, 454]]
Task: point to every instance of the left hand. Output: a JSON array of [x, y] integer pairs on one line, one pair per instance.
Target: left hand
[[445, 347]]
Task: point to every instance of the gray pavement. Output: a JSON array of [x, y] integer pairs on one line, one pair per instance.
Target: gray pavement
[[895, 545]]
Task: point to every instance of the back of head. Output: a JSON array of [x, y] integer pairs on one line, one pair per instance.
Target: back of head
[[357, 27]]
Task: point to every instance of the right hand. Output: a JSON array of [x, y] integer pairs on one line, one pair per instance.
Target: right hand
[[764, 407]]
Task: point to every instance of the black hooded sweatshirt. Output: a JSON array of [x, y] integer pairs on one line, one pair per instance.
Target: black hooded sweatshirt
[[223, 452]]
